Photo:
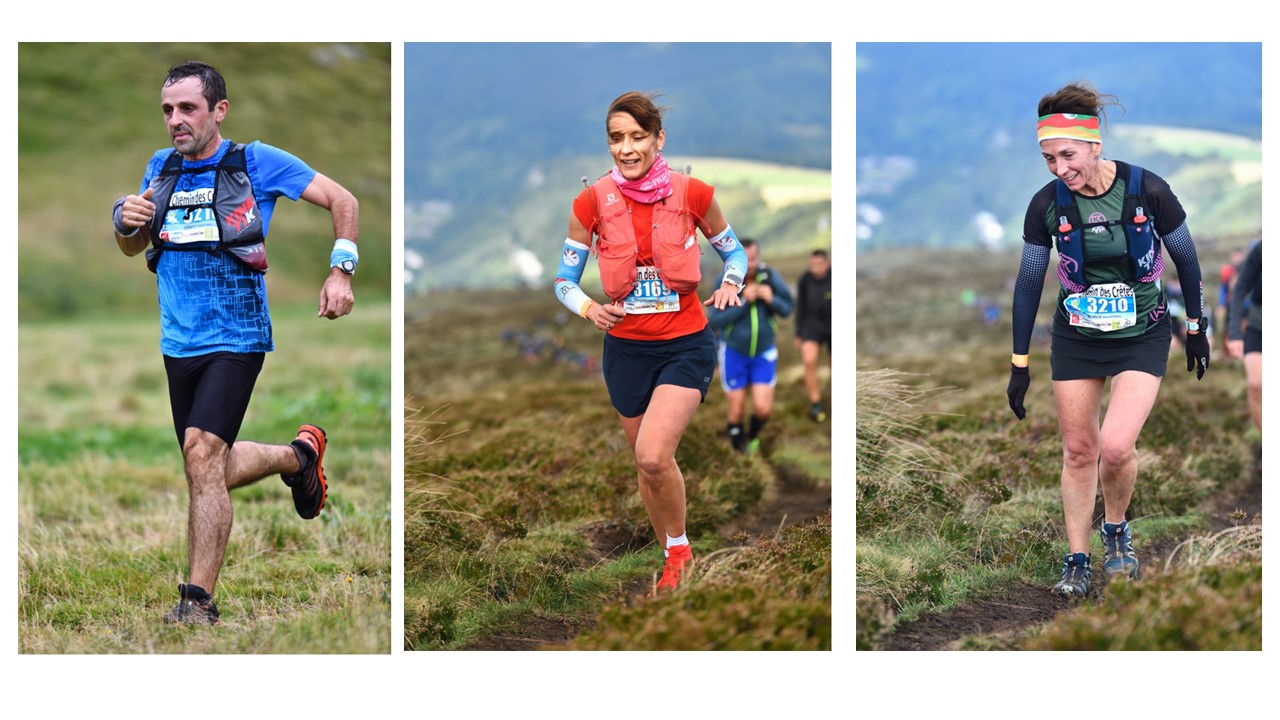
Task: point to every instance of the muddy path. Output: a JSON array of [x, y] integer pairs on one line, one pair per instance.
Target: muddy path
[[1025, 606], [798, 498]]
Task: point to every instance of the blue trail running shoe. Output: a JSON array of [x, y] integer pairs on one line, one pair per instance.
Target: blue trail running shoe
[[1075, 576], [1120, 559]]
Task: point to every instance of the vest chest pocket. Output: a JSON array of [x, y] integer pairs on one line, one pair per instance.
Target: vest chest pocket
[[677, 252]]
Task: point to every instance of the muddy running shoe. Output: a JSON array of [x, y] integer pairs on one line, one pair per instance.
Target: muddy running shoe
[[678, 559], [195, 608], [816, 413], [1075, 576], [1120, 560], [308, 484]]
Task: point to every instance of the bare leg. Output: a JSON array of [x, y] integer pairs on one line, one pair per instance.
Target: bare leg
[[809, 352], [654, 437], [212, 470], [737, 401], [1253, 375], [1078, 403], [762, 401], [1133, 394]]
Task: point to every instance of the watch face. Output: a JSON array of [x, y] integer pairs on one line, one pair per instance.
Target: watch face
[[348, 267]]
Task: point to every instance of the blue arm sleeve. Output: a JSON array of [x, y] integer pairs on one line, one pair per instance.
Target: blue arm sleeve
[[1183, 254], [573, 260], [730, 251], [1026, 294]]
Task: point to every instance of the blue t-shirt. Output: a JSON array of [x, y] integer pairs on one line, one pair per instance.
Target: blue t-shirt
[[209, 301]]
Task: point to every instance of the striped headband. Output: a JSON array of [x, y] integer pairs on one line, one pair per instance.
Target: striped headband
[[1069, 126]]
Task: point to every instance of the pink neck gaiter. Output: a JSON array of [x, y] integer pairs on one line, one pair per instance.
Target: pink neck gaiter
[[654, 186]]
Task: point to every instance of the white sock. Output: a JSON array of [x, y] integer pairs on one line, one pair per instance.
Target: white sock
[[673, 541]]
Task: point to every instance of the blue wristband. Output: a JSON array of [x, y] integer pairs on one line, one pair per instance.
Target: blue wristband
[[343, 250]]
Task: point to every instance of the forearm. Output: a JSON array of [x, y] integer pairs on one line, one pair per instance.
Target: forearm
[[1026, 294], [732, 254], [346, 217], [1183, 254], [573, 260]]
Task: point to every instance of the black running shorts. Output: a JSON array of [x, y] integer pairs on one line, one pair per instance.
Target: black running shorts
[[1076, 357], [1252, 340], [633, 368], [211, 392]]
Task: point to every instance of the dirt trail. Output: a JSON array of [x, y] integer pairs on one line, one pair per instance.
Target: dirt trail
[[1025, 606], [798, 498]]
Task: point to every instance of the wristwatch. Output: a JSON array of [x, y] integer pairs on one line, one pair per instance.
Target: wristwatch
[[347, 266], [736, 282], [1193, 325]]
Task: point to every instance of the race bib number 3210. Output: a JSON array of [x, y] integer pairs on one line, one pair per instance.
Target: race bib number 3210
[[1106, 307]]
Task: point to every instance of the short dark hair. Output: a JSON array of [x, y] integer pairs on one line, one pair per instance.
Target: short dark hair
[[819, 253], [213, 86], [748, 242]]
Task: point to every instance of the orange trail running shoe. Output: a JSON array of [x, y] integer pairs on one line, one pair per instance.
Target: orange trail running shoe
[[308, 484], [678, 559]]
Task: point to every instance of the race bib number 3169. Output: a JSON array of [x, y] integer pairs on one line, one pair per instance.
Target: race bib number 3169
[[650, 294]]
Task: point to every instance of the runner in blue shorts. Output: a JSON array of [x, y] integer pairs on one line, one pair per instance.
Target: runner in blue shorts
[[201, 214], [748, 348]]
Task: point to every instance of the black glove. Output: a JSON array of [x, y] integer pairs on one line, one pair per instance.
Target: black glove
[[1197, 346], [1019, 381]]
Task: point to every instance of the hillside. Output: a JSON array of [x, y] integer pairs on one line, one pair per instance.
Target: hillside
[[954, 162], [786, 207], [89, 119]]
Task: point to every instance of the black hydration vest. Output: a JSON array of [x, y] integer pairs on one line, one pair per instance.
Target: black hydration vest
[[230, 205], [1143, 254]]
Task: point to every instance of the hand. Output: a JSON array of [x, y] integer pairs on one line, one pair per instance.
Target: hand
[[605, 317], [336, 298], [750, 292], [1197, 353], [137, 210], [724, 296], [765, 293], [1235, 349], [1019, 381]]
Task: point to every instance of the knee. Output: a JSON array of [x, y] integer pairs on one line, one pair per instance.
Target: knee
[[1118, 454], [1079, 453], [203, 454], [653, 466]]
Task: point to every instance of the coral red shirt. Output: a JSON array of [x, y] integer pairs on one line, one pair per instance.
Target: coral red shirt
[[690, 318]]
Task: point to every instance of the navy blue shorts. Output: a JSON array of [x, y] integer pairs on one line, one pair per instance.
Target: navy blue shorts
[[633, 368], [211, 392]]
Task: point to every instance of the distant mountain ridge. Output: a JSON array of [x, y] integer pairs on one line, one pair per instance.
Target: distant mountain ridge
[[946, 132]]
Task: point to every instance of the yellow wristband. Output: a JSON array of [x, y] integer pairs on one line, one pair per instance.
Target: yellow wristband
[[1021, 360], [585, 307]]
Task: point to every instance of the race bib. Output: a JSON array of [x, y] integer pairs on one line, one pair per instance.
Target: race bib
[[188, 225], [650, 295], [1103, 307]]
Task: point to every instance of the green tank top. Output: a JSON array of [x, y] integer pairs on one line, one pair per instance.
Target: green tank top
[[1105, 251]]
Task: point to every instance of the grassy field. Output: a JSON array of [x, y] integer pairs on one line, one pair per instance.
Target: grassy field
[[522, 519], [72, 169], [102, 498], [958, 502]]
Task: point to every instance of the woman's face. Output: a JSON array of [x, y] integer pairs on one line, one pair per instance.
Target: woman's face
[[633, 148], [1074, 162]]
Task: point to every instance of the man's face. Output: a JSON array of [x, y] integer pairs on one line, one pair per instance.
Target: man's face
[[192, 126], [818, 266]]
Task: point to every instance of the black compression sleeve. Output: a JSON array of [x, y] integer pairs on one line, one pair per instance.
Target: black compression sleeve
[[1026, 294], [1183, 253]]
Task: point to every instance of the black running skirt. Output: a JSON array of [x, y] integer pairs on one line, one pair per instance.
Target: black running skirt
[[1076, 357]]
